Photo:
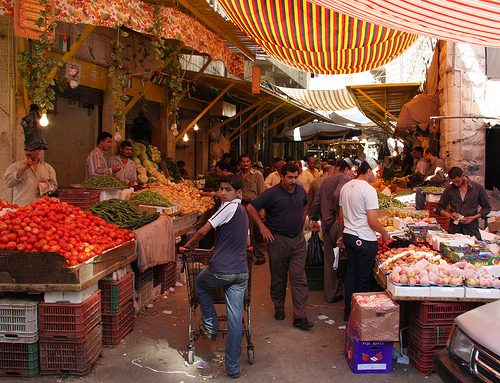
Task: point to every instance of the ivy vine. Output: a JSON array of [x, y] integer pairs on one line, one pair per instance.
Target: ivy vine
[[34, 65], [116, 70]]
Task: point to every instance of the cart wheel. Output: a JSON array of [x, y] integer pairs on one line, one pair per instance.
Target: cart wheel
[[250, 355], [190, 356]]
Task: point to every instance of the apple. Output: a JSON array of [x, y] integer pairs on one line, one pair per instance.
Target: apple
[[410, 273], [471, 282], [412, 281], [424, 280], [403, 279], [440, 281]]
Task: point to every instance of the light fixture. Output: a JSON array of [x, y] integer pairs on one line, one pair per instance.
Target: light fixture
[[394, 153], [196, 127], [44, 121], [118, 136], [185, 138]]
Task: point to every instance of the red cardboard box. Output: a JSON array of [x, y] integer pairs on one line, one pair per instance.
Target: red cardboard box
[[375, 316], [367, 357]]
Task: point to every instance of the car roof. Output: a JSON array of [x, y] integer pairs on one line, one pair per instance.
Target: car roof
[[482, 324]]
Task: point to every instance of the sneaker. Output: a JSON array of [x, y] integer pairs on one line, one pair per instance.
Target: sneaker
[[204, 331], [303, 323], [234, 375]]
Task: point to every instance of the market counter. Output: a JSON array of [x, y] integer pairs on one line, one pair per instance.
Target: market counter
[[46, 271]]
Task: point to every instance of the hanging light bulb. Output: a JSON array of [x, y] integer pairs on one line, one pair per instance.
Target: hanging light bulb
[[118, 136], [185, 138], [196, 127], [44, 121]]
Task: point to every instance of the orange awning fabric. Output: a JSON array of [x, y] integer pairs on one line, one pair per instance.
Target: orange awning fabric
[[316, 39], [468, 21]]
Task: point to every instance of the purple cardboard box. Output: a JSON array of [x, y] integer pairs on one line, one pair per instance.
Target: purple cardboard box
[[367, 357]]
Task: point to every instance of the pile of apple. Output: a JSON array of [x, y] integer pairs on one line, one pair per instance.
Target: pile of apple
[[374, 300], [425, 273], [409, 256]]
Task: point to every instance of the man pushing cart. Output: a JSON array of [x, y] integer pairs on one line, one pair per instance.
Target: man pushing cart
[[228, 268]]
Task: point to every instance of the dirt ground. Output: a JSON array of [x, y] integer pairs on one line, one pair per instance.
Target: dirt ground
[[155, 351]]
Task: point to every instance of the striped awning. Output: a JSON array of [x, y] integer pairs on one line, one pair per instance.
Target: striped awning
[[468, 21], [315, 39], [326, 100]]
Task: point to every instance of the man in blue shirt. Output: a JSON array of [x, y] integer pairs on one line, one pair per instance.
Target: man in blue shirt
[[286, 206], [228, 268]]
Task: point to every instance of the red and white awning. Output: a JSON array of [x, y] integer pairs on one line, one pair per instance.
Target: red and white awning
[[468, 21]]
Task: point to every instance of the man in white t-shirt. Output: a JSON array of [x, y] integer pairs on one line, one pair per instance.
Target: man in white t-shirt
[[358, 222]]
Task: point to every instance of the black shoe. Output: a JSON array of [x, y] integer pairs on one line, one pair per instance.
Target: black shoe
[[260, 261], [338, 298], [279, 315], [303, 323], [234, 375], [204, 331]]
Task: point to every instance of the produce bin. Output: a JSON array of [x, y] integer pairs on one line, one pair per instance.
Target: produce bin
[[19, 360], [18, 320], [115, 327], [114, 294]]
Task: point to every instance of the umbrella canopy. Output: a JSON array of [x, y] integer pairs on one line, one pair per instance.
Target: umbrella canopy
[[317, 131]]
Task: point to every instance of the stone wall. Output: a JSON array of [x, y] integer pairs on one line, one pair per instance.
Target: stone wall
[[463, 85]]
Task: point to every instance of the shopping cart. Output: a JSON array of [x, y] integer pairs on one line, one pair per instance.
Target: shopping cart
[[193, 262]]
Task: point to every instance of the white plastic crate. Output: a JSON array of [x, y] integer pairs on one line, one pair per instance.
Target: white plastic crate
[[69, 296], [18, 321]]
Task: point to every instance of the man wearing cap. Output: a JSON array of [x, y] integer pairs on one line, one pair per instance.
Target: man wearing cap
[[358, 222], [30, 178], [325, 206]]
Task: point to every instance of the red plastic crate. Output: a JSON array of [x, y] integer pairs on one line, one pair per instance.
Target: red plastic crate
[[71, 357], [165, 275], [114, 294], [115, 327], [434, 313], [82, 198], [422, 360], [19, 360], [428, 337], [69, 320]]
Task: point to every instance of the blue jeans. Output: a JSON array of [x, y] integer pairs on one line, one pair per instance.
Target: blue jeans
[[360, 261], [234, 286], [420, 198]]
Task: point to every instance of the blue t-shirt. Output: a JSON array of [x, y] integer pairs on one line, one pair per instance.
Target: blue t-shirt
[[231, 231], [284, 210]]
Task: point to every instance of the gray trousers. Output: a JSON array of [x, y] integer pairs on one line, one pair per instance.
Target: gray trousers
[[287, 259], [331, 280]]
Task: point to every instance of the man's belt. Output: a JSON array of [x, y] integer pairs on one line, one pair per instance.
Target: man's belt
[[285, 234]]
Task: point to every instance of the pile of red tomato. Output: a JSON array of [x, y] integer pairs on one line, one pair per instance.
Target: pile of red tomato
[[50, 225]]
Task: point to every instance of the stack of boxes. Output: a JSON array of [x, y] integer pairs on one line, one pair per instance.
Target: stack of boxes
[[430, 325], [70, 335], [19, 338], [372, 328], [117, 308], [165, 275], [144, 286]]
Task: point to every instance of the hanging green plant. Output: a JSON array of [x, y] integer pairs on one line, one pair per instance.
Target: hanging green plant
[[34, 64], [116, 70]]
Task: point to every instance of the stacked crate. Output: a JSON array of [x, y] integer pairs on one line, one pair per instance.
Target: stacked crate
[[117, 308], [70, 336], [144, 286], [165, 275], [19, 338], [442, 221], [430, 326]]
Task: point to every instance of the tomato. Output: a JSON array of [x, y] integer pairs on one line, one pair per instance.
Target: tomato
[[21, 233], [32, 240], [81, 257], [55, 248], [131, 235], [20, 247], [4, 239], [11, 246], [12, 237], [46, 248], [38, 246], [16, 221], [53, 200], [2, 246], [5, 232], [22, 239]]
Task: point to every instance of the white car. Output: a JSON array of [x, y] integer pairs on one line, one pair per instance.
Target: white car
[[473, 350]]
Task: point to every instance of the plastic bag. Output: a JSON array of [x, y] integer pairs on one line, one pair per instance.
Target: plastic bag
[[34, 139], [315, 252]]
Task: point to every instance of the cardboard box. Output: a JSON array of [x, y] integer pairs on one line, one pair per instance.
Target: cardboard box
[[162, 209], [367, 357], [494, 224], [69, 296], [375, 323]]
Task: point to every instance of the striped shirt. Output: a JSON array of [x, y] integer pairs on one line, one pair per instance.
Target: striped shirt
[[475, 198], [127, 172], [97, 164]]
